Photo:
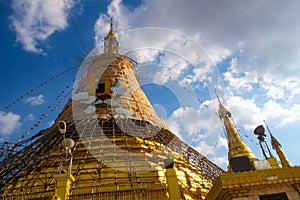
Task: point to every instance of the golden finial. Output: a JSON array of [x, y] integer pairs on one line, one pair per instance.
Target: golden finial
[[236, 146], [277, 147], [111, 43], [275, 143], [223, 111], [111, 24], [218, 96]]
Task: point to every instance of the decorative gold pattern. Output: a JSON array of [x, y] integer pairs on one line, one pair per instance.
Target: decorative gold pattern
[[232, 185]]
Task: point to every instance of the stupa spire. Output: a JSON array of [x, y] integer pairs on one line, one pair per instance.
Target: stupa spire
[[111, 42], [112, 141], [277, 147], [236, 146]]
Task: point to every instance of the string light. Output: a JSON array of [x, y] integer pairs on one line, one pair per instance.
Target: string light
[[6, 148], [59, 99], [42, 84]]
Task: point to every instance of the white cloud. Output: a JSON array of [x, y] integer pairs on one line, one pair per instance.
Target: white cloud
[[9, 122], [169, 67], [278, 116], [184, 120], [121, 16], [260, 38], [278, 88], [239, 81], [30, 117], [222, 161], [274, 87], [162, 39], [265, 33], [245, 112], [198, 128], [204, 148], [34, 21], [217, 153], [222, 142], [36, 100], [248, 115]]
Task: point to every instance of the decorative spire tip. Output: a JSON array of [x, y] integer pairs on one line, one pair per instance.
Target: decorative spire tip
[[217, 96], [111, 43], [111, 23]]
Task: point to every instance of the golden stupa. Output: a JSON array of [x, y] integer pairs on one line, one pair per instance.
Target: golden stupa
[[107, 143], [249, 178]]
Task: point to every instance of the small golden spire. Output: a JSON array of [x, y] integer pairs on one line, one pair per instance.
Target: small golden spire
[[111, 32], [111, 42], [236, 146], [111, 24], [277, 146]]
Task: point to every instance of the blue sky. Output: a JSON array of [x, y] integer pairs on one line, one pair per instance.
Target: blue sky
[[252, 49]]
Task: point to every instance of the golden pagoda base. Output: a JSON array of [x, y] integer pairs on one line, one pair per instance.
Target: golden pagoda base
[[253, 184]]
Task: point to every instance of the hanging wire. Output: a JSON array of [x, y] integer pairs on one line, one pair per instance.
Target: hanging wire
[[8, 148], [11, 147], [224, 130], [59, 99], [75, 27], [39, 86]]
